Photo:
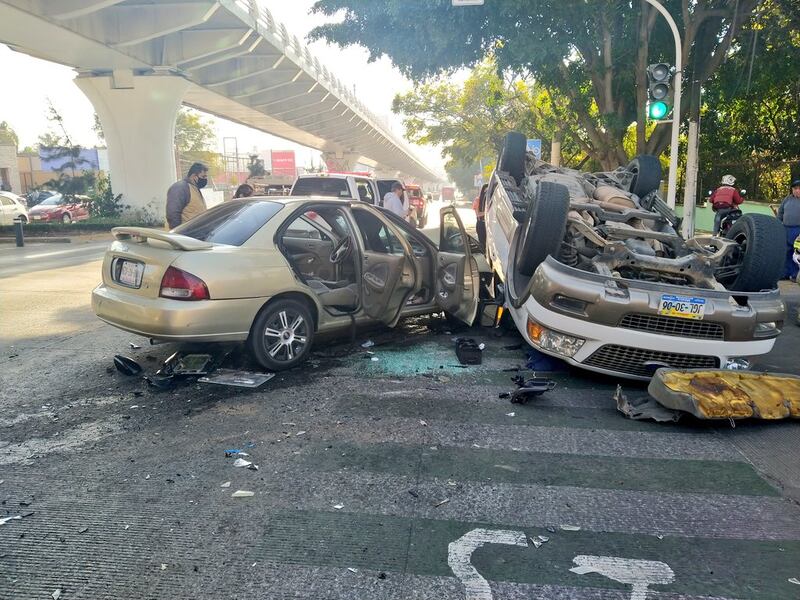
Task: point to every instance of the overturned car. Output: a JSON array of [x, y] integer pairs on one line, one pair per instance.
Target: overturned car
[[594, 271]]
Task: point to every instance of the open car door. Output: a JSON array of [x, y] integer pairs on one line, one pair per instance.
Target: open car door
[[389, 274], [457, 277]]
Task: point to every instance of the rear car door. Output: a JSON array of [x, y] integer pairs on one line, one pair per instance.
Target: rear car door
[[457, 277], [389, 274]]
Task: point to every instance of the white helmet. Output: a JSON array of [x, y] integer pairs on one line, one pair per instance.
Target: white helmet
[[728, 180]]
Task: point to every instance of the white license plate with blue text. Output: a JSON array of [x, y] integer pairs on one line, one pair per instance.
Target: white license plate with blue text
[[130, 273], [683, 307]]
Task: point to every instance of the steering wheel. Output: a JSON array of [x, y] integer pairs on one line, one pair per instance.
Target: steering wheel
[[455, 242], [342, 250]]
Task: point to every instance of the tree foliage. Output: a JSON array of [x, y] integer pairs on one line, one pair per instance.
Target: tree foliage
[[592, 53], [193, 133], [8, 135], [73, 177], [750, 127]]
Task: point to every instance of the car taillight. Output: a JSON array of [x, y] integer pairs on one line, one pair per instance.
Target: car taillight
[[180, 285]]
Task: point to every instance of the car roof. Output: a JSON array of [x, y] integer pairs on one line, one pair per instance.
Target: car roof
[[327, 176]]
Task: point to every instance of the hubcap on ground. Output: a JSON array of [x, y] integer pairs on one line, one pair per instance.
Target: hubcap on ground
[[286, 335]]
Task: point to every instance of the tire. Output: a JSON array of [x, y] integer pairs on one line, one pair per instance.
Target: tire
[[66, 219], [281, 350], [647, 174], [23, 219], [544, 226], [762, 238], [512, 157]]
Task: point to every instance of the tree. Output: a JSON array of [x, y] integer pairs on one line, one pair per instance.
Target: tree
[[67, 158], [256, 166], [750, 123], [592, 53], [8, 135], [471, 120], [193, 133]]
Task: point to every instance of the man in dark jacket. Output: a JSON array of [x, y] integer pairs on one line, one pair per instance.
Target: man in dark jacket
[[789, 215], [184, 200]]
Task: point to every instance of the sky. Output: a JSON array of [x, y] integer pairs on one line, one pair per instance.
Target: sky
[[30, 82]]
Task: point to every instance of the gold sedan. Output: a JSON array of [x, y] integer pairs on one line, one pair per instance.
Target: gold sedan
[[274, 272]]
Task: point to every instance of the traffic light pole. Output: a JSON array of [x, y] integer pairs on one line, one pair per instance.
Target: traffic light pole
[[672, 181]]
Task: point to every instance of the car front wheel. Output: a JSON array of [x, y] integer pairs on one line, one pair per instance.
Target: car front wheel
[[282, 335], [66, 219]]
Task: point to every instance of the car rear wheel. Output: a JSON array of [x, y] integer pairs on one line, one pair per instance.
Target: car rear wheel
[[66, 219], [761, 248], [512, 157], [543, 227], [23, 219], [282, 335], [647, 174]]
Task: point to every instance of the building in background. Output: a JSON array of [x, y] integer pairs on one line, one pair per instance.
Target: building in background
[[36, 169], [9, 169]]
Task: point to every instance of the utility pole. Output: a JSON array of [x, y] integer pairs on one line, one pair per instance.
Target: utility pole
[[676, 110]]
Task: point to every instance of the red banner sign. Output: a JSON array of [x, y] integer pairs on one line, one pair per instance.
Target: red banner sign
[[283, 162]]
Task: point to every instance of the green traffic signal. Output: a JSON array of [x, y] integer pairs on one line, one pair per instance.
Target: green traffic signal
[[658, 110]]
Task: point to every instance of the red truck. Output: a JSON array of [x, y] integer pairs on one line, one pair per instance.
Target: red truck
[[448, 194]]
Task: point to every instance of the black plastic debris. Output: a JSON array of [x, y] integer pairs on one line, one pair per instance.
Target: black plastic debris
[[468, 351], [160, 381], [126, 365], [527, 389]]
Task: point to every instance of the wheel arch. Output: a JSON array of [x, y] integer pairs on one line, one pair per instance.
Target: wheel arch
[[293, 295]]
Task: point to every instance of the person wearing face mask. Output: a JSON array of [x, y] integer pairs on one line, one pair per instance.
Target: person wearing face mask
[[184, 200]]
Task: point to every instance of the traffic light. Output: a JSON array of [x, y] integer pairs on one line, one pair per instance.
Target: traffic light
[[659, 91]]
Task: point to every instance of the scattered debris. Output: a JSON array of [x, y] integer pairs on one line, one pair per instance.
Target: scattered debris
[[794, 580], [539, 361], [381, 575], [352, 570], [539, 541], [83, 530], [237, 378], [134, 346], [511, 414], [368, 344], [160, 381], [5, 520], [569, 528], [147, 476], [445, 501], [513, 347], [56, 595], [413, 493], [300, 433], [529, 388], [504, 395], [374, 359], [338, 506], [252, 467], [163, 566], [659, 536], [127, 527], [725, 394], [551, 529], [242, 494], [423, 423], [126, 365], [644, 408], [468, 352], [240, 462], [189, 364], [227, 484]]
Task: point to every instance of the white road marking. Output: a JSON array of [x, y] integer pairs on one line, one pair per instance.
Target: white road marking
[[459, 555], [637, 573], [60, 252]]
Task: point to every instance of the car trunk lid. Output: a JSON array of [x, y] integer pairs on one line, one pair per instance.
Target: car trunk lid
[[139, 257]]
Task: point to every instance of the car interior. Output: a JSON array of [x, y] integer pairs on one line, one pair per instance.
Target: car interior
[[319, 245]]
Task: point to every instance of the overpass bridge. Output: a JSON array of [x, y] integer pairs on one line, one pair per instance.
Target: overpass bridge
[[139, 60]]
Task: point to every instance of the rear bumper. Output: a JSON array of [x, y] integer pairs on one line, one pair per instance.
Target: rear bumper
[[176, 320]]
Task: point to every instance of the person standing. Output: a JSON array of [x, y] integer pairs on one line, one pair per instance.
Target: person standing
[[184, 200], [724, 199], [395, 201], [789, 215], [479, 206]]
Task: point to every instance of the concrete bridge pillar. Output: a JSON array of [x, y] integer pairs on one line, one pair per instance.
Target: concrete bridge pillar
[[137, 113], [341, 161]]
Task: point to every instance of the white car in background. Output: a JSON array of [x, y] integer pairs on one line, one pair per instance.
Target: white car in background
[[11, 207]]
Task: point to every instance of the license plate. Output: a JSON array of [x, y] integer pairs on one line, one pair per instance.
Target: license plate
[[683, 307], [130, 273], [37, 218]]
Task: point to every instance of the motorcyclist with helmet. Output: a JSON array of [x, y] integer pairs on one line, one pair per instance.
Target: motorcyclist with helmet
[[724, 199]]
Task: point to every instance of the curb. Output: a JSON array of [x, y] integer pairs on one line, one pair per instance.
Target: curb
[[38, 240]]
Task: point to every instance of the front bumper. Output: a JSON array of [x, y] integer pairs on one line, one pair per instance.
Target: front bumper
[[624, 334], [176, 320]]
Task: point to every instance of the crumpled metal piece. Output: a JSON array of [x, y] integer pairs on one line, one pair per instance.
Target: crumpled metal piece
[[644, 408]]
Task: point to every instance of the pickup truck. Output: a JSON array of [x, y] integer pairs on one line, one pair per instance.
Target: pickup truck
[[338, 185], [593, 270]]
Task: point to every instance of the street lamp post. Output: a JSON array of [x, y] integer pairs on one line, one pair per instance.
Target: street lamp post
[[676, 104]]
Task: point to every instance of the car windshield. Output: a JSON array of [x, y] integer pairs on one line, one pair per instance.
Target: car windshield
[[231, 223], [53, 201], [321, 186]]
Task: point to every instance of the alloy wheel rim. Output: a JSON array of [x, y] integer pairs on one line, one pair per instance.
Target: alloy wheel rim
[[285, 336]]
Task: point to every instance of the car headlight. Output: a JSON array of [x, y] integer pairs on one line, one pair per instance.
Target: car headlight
[[547, 339], [766, 329]]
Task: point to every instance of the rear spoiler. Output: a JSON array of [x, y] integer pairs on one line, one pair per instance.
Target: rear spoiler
[[176, 240]]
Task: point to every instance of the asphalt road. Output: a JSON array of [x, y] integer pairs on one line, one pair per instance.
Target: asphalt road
[[46, 257], [401, 478]]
